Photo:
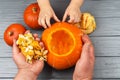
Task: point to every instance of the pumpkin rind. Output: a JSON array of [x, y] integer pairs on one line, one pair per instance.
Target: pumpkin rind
[[12, 32], [69, 59], [31, 14]]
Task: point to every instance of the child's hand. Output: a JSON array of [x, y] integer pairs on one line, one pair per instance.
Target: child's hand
[[45, 15], [26, 70], [73, 12], [85, 65]]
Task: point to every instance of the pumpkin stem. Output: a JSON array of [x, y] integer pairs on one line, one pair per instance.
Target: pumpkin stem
[[10, 33], [34, 9]]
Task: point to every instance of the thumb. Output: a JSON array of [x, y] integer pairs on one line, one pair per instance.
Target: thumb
[[38, 66], [17, 56], [85, 51], [15, 48]]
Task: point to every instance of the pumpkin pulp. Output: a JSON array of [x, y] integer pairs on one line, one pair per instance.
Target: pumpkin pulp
[[61, 44]]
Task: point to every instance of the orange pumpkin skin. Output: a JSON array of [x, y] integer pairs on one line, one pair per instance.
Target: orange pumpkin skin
[[12, 32], [63, 61], [31, 14]]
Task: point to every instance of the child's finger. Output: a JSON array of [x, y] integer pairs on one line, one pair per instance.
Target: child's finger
[[43, 23], [56, 19], [65, 16], [71, 19], [48, 21], [39, 21], [77, 19]]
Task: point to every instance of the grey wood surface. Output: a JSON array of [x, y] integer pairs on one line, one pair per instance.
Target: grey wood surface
[[106, 38]]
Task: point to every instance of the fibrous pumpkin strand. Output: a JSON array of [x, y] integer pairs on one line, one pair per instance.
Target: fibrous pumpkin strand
[[31, 48], [87, 23]]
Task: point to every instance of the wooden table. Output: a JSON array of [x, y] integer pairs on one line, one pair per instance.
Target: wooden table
[[106, 38]]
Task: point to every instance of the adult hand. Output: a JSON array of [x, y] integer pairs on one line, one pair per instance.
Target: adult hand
[[26, 71], [85, 65]]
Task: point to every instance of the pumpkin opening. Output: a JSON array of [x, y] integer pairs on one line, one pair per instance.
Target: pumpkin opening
[[64, 45], [61, 42]]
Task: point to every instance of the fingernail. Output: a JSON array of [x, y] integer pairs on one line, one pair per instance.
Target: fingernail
[[88, 45]]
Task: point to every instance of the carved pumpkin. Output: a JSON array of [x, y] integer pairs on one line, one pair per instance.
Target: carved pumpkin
[[64, 45]]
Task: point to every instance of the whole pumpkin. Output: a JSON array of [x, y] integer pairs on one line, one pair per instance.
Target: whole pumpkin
[[31, 14], [12, 32], [64, 45]]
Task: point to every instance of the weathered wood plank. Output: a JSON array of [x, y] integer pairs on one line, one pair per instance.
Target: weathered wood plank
[[105, 67], [100, 8], [62, 79], [93, 79], [104, 46], [105, 26], [107, 15]]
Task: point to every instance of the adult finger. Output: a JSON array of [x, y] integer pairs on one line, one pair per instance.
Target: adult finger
[[35, 35], [15, 49], [85, 51], [86, 39], [37, 39], [28, 31], [38, 67], [86, 47], [92, 56], [41, 44], [17, 56]]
